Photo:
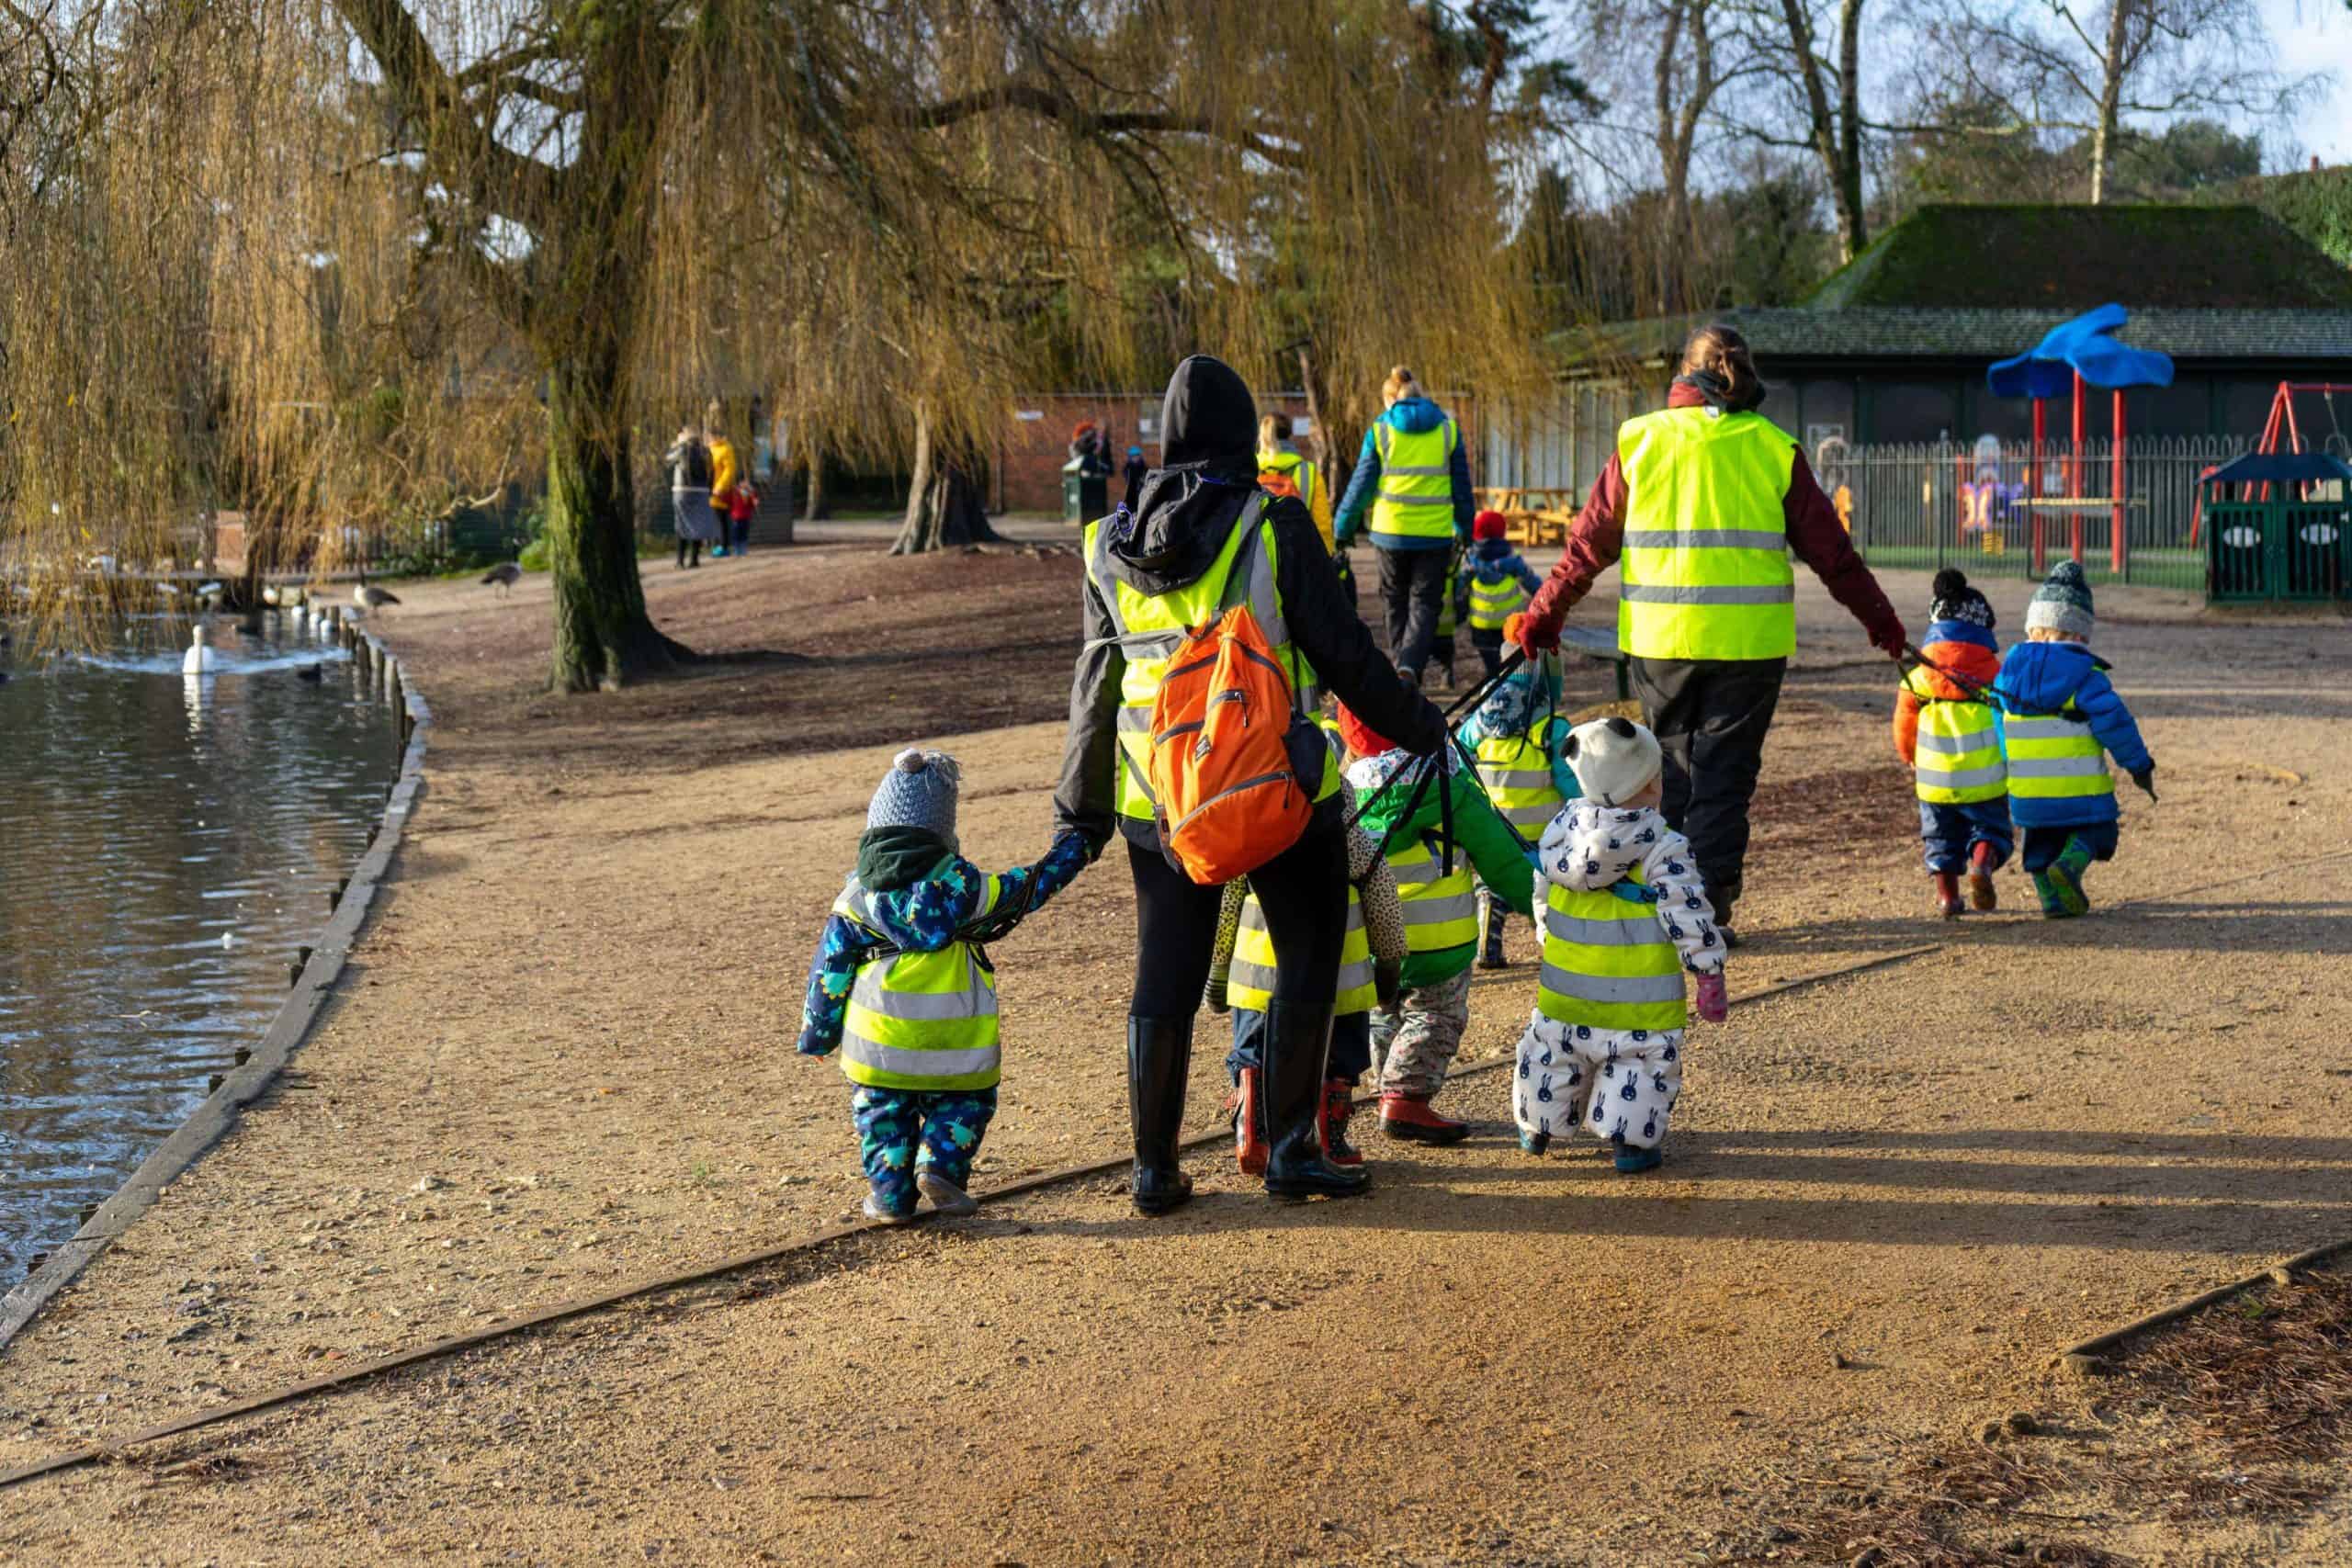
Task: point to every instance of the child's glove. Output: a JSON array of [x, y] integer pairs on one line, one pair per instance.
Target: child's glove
[[1214, 993], [2146, 779], [810, 1044], [1713, 1007]]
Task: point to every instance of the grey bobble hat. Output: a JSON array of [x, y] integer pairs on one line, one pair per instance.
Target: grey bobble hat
[[918, 792], [2062, 602], [1613, 759]]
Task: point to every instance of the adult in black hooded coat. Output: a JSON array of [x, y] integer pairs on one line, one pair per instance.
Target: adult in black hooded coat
[[1185, 513]]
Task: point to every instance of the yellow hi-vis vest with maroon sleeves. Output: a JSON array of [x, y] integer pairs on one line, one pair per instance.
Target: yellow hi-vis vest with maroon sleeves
[[1705, 554], [1415, 500], [1249, 981], [1149, 626], [1608, 963], [920, 1020], [1956, 757], [2055, 756]]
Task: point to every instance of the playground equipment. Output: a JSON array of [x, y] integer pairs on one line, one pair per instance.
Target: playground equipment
[[2282, 526], [2072, 356], [2282, 422]]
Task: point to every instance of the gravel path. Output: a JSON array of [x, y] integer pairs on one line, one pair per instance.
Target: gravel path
[[561, 1060]]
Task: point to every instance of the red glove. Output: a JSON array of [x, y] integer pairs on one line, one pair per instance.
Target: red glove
[[1713, 1006], [1889, 638], [1533, 634]]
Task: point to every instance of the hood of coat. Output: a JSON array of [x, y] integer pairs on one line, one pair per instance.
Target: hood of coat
[[1491, 552], [922, 915], [1963, 648], [2040, 676], [1413, 415], [1209, 471]]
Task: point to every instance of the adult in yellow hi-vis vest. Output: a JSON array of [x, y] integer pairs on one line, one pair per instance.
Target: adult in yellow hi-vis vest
[[1699, 508], [1202, 539], [1411, 491]]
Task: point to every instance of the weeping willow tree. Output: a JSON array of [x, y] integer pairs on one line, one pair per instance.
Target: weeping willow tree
[[342, 261]]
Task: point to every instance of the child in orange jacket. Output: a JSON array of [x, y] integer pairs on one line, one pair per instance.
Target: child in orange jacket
[[1951, 735]]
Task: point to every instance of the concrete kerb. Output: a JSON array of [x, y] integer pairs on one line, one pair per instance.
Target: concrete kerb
[[211, 1119]]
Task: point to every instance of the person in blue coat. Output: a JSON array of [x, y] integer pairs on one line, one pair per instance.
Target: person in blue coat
[[1410, 489], [2062, 719]]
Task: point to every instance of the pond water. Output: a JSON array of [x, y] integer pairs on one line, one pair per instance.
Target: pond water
[[166, 842]]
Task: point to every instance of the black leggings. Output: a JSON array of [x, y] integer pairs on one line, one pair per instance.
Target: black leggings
[[1304, 891]]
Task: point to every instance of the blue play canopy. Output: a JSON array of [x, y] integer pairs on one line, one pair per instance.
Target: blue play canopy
[[2087, 344]]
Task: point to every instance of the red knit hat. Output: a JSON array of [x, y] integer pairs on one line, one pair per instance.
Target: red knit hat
[[1489, 525], [1361, 739]]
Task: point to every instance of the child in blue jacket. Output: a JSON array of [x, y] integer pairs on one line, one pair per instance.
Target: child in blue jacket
[[903, 988], [2061, 720], [1498, 583]]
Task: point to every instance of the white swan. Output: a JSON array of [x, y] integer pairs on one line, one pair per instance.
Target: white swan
[[198, 659]]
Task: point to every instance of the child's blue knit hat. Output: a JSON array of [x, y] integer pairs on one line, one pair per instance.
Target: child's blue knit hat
[[918, 792], [2062, 602]]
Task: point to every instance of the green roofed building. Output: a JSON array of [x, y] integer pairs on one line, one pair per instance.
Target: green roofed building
[[1894, 346]]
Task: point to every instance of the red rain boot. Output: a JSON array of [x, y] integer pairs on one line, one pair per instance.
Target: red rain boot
[[1339, 1102], [1249, 1124], [1948, 894], [1410, 1117], [1980, 896]]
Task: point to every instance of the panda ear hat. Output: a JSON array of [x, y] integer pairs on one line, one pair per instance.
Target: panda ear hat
[[1613, 759]]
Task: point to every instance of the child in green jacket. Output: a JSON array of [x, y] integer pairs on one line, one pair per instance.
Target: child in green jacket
[[1434, 832]]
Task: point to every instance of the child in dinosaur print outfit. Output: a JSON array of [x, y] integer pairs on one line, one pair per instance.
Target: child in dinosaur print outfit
[[903, 988], [2062, 719], [1624, 915]]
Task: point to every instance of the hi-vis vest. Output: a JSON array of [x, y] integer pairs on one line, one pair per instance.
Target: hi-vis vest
[[1250, 983], [920, 1020], [1516, 772], [1149, 626], [1415, 496], [1957, 756], [1705, 561], [1608, 964], [1496, 599], [1307, 482], [2055, 756], [1440, 908]]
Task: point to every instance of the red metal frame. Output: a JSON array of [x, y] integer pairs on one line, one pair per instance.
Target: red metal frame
[[2283, 413]]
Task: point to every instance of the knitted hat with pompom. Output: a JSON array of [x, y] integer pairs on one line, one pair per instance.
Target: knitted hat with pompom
[[1951, 599], [919, 791], [2063, 603]]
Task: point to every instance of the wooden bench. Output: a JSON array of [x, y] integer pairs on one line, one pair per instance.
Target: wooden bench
[[1537, 514], [1599, 645]]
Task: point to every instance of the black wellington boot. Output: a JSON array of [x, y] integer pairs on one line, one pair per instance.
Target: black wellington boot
[[1160, 1061], [1298, 1042]]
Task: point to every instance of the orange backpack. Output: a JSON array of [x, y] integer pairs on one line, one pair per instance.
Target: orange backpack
[[1224, 776], [1278, 481]]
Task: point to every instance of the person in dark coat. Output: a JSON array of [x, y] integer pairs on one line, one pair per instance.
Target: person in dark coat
[[1186, 512], [1137, 469]]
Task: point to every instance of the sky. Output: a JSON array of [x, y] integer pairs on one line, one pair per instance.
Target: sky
[[2316, 35]]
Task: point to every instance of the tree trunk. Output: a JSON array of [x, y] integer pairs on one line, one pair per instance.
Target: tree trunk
[[603, 636], [944, 510], [816, 506], [1837, 135], [2110, 96]]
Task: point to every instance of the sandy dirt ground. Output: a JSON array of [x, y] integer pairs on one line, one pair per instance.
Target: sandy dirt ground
[[561, 1060]]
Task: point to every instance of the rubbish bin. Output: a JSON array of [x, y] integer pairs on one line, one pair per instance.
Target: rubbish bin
[[1085, 496]]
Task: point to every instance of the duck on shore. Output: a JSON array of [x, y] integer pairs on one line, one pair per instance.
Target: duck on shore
[[367, 596], [505, 575]]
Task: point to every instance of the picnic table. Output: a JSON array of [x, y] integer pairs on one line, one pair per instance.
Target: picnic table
[[1539, 515], [1599, 645]]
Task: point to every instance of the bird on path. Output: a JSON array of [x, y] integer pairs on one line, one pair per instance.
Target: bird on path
[[313, 673], [506, 574], [367, 596], [198, 659]]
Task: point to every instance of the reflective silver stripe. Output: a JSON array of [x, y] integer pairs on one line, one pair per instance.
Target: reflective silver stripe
[[1135, 719], [1145, 646], [1516, 778], [1531, 816], [1705, 539], [2047, 729], [1967, 778], [1253, 915], [1250, 976], [919, 1063], [855, 898], [1612, 988], [1438, 911], [1393, 499], [925, 1006], [2056, 767], [1956, 745], [1414, 470], [1643, 930], [1761, 593]]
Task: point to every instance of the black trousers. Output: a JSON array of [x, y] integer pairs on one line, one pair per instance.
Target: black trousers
[[1709, 716], [1304, 891], [1413, 585]]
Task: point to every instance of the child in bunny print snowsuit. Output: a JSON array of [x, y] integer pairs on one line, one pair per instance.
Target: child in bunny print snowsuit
[[1625, 915]]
